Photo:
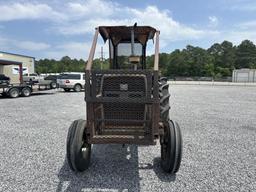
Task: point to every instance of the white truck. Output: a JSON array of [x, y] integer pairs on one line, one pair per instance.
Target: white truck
[[71, 81], [32, 78]]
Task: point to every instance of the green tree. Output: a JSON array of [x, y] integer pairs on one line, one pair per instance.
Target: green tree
[[177, 65], [224, 57], [229, 55], [246, 54], [163, 62]]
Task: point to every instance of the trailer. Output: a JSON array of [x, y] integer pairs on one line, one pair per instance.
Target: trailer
[[21, 88], [14, 91]]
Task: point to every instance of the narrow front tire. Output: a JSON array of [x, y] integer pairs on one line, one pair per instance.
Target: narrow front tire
[[78, 149], [171, 147]]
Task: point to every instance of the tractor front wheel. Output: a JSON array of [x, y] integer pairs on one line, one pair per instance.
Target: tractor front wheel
[[78, 150], [171, 147]]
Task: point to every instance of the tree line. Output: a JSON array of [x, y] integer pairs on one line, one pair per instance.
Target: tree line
[[217, 61], [66, 64]]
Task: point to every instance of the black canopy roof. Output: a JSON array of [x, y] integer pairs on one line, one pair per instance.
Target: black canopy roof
[[123, 33]]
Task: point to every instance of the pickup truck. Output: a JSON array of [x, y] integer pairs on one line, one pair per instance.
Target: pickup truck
[[50, 80], [31, 78]]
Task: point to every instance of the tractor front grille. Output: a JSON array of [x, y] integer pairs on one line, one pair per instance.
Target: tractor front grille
[[119, 104], [122, 82], [125, 111]]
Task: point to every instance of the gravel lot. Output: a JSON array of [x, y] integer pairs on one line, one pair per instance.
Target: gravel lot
[[219, 135]]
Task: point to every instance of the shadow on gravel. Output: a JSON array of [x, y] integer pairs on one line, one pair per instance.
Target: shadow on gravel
[[39, 94], [69, 92], [164, 177], [113, 168]]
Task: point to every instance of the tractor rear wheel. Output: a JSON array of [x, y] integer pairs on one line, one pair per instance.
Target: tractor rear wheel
[[164, 99], [78, 150], [171, 147]]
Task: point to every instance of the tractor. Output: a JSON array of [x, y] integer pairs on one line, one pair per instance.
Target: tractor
[[127, 103]]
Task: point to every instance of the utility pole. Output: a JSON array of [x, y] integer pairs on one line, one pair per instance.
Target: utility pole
[[102, 55]]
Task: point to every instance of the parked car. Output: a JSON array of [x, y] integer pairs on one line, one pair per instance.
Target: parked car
[[74, 81], [4, 80], [50, 80], [31, 78]]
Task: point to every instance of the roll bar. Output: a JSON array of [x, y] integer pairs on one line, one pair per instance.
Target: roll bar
[[92, 51], [94, 43]]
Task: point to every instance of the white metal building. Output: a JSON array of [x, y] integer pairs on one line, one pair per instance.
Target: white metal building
[[11, 64], [244, 76]]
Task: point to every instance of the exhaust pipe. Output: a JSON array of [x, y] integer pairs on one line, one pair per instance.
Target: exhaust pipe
[[132, 41], [132, 44]]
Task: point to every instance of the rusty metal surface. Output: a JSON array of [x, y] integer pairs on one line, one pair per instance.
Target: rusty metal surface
[[122, 106], [156, 59], [92, 51]]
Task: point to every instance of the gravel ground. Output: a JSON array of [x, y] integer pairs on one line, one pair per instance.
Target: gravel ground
[[218, 125]]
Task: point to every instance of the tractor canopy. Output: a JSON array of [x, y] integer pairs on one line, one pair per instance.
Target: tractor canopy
[[119, 34], [127, 45]]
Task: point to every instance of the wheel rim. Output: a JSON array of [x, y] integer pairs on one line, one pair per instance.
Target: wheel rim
[[54, 85], [14, 93], [164, 148], [77, 88], [84, 150], [82, 158], [26, 92]]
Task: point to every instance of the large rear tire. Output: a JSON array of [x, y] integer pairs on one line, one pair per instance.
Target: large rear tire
[[171, 147], [78, 150], [164, 99]]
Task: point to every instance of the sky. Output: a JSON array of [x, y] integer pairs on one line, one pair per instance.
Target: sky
[[55, 28]]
